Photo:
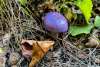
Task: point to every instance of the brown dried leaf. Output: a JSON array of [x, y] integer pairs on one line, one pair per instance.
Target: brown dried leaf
[[35, 49]]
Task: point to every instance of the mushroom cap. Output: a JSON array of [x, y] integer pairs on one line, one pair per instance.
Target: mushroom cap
[[55, 22]]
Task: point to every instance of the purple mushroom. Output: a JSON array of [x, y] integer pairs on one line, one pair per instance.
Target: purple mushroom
[[55, 22]]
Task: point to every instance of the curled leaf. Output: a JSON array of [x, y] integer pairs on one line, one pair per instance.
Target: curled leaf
[[35, 49]]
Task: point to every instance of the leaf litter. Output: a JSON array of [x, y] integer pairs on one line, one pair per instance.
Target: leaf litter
[[65, 51]]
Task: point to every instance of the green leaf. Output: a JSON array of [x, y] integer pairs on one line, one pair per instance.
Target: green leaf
[[86, 8], [23, 2], [76, 30], [97, 21]]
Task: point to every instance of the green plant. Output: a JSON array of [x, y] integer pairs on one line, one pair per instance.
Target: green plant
[[86, 8]]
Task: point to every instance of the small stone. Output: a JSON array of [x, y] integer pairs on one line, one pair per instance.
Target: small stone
[[14, 66], [2, 61], [97, 60], [6, 39], [14, 58], [82, 55], [93, 42], [3, 51]]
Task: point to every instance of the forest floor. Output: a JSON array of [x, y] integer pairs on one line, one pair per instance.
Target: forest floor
[[17, 23]]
